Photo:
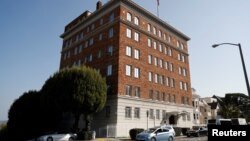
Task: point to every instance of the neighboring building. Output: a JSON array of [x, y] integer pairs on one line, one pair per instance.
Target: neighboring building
[[201, 110], [215, 106], [145, 62]]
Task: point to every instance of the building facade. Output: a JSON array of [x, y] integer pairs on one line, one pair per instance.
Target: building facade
[[145, 62]]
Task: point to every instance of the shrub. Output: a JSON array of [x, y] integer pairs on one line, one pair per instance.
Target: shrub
[[133, 132], [4, 133], [177, 131], [184, 131], [85, 135]]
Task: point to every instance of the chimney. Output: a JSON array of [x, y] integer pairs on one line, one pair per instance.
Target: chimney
[[98, 5]]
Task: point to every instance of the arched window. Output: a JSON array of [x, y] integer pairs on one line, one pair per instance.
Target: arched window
[[129, 17], [136, 20]]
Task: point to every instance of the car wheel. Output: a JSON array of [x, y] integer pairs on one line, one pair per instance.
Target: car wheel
[[49, 139], [153, 139], [71, 139], [170, 139]]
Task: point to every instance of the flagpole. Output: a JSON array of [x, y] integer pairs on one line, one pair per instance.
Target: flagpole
[[158, 3]]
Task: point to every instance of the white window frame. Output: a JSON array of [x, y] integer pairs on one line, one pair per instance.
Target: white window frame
[[137, 72], [150, 76], [111, 32], [129, 17], [129, 33], [149, 27], [128, 51], [128, 70], [136, 36], [109, 70], [137, 54], [136, 20]]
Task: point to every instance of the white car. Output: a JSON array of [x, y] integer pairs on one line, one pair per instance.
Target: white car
[[58, 136], [169, 127]]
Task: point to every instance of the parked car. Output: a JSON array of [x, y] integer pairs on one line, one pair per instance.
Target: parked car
[[200, 131], [58, 136], [155, 134], [169, 127]]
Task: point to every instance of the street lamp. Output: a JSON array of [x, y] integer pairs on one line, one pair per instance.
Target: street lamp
[[242, 60]]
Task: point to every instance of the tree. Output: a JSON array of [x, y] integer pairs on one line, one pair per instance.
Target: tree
[[24, 117], [78, 90], [229, 111]]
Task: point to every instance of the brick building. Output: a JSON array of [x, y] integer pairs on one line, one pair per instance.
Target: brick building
[[145, 62]]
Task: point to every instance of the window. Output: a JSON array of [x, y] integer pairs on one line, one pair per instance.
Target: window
[[136, 37], [179, 56], [128, 112], [111, 17], [156, 61], [159, 33], [184, 72], [136, 72], [171, 66], [150, 59], [164, 36], [107, 111], [128, 51], [180, 70], [163, 96], [150, 94], [161, 63], [181, 87], [154, 30], [182, 46], [157, 114], [137, 91], [173, 98], [150, 76], [163, 113], [137, 54], [109, 70], [76, 50], [100, 36], [129, 34], [178, 43], [128, 90], [185, 86], [149, 42], [160, 47], [111, 32], [170, 39], [91, 41], [160, 79], [149, 27], [110, 50], [170, 52], [137, 112], [92, 26], [166, 65], [172, 82], [183, 58], [65, 56], [188, 117], [157, 93], [129, 17], [86, 44], [136, 20], [128, 70], [156, 78], [101, 21], [81, 35], [151, 113], [99, 54], [167, 81], [154, 45]]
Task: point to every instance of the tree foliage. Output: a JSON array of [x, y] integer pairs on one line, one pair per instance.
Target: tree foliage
[[24, 117], [80, 90]]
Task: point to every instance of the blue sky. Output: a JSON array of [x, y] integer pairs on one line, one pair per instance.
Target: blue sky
[[30, 43]]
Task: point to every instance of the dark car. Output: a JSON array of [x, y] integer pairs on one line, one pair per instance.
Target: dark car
[[201, 131]]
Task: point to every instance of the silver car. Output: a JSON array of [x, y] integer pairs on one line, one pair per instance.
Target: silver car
[[58, 136], [155, 134]]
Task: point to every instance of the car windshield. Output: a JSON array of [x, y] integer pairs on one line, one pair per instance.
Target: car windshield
[[151, 130]]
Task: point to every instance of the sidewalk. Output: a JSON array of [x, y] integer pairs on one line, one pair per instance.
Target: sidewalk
[[122, 139]]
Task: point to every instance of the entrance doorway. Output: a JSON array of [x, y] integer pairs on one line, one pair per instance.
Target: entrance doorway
[[172, 120]]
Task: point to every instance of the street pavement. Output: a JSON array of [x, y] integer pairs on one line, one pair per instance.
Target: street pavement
[[178, 138]]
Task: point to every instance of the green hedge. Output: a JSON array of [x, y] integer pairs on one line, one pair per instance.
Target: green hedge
[[177, 131], [184, 131], [133, 132]]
